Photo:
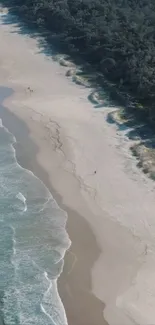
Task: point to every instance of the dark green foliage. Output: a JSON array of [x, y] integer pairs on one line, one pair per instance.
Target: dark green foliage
[[117, 36]]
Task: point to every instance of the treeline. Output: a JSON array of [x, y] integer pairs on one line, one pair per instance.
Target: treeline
[[116, 36]]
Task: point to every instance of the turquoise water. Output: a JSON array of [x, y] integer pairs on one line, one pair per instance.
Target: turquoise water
[[33, 242]]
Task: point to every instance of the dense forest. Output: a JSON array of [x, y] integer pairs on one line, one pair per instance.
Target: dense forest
[[116, 36]]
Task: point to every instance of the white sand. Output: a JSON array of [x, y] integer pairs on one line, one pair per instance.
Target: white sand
[[118, 194]]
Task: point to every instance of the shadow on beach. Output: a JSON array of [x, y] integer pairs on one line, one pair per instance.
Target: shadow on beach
[[53, 47], [141, 138]]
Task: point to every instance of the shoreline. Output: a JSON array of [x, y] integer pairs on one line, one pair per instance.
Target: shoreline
[[62, 139], [75, 284], [74, 299], [16, 127]]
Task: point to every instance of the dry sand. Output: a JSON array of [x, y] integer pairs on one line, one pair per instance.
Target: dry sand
[[109, 271]]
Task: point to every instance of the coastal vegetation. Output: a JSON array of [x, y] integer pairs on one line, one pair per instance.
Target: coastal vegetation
[[117, 37]]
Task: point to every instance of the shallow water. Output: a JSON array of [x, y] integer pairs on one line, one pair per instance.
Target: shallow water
[[33, 242]]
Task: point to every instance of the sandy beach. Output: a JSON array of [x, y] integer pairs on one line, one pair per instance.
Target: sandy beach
[[108, 276]]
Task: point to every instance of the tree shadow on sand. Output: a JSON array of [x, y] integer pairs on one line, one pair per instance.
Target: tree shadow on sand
[[135, 128], [53, 45], [138, 130]]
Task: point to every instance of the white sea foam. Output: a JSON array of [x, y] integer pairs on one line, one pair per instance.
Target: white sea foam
[[49, 195], [29, 259], [22, 198], [46, 302], [14, 245], [1, 124]]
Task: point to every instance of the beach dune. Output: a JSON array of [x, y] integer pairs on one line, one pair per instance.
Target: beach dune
[[108, 275]]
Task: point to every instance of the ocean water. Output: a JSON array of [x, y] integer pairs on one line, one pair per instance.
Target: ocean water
[[33, 242]]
